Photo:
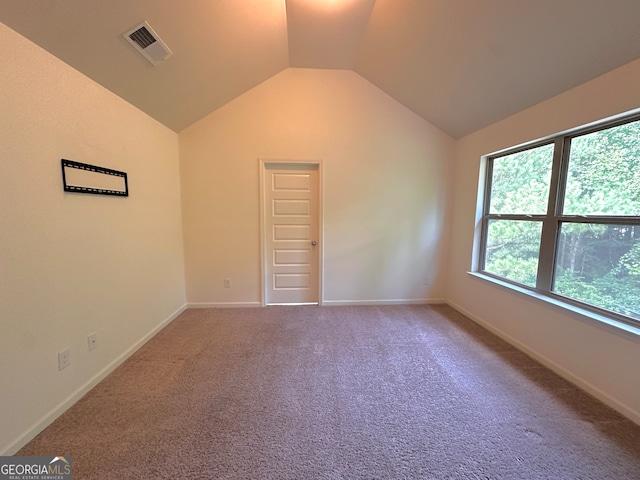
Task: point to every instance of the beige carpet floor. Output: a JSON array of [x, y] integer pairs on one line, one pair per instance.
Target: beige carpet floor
[[394, 392]]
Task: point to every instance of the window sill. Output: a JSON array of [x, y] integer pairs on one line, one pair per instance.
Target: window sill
[[617, 326]]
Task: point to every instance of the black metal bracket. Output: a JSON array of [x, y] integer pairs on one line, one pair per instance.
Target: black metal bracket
[[93, 169]]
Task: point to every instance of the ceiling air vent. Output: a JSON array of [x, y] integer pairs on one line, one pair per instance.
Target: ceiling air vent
[[147, 42]]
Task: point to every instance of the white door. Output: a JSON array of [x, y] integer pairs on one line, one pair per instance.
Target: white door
[[291, 233]]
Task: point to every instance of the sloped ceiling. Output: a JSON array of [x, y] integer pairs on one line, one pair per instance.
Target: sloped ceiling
[[460, 64]]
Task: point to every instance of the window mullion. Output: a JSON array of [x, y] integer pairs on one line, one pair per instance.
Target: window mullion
[[551, 222]]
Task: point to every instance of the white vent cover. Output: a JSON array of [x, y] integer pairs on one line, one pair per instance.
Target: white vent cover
[[147, 42]]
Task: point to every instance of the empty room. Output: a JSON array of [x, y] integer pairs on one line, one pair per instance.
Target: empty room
[[320, 239]]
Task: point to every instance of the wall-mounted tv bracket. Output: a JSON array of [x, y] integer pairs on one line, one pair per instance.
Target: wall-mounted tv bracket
[[84, 178]]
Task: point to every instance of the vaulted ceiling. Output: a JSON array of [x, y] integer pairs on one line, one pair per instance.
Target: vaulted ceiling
[[459, 64]]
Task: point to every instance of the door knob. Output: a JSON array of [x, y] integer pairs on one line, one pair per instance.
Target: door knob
[[314, 243]]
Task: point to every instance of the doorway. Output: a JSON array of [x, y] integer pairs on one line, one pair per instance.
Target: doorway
[[291, 233]]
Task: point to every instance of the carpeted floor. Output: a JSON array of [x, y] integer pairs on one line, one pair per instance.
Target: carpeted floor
[[394, 392]]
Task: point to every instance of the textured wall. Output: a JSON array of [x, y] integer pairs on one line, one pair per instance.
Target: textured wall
[[599, 358], [385, 175], [75, 264]]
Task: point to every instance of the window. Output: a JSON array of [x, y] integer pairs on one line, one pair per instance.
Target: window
[[562, 217]]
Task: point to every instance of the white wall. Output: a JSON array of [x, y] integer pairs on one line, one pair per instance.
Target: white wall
[[73, 264], [385, 175], [601, 359]]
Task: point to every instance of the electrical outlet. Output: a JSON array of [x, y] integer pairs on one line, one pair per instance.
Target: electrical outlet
[[92, 340], [64, 359], [426, 281], [227, 283]]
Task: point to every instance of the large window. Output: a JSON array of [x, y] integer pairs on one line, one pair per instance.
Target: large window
[[562, 217]]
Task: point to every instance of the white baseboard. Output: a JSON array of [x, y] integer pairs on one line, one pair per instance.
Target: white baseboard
[[620, 407], [412, 301], [418, 301], [224, 305], [49, 417]]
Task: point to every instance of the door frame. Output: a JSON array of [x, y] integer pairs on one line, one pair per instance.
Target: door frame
[[288, 163]]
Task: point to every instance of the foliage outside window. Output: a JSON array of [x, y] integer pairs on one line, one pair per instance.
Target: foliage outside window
[[563, 218]]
